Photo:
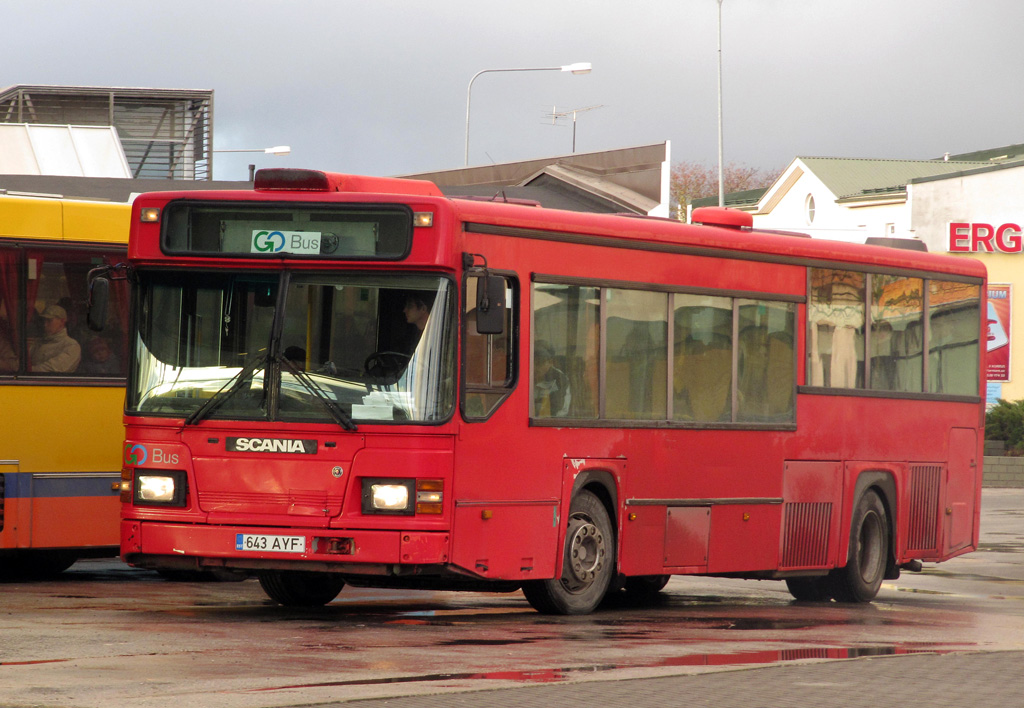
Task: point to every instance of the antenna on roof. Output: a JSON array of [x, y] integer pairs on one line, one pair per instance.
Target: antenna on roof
[[555, 115]]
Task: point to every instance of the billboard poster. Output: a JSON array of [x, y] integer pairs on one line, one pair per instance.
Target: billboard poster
[[998, 347]]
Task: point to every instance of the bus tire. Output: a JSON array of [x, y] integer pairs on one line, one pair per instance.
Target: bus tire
[[588, 562], [296, 588], [862, 576], [809, 589]]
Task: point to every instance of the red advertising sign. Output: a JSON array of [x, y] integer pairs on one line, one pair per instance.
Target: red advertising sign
[[984, 238], [998, 346]]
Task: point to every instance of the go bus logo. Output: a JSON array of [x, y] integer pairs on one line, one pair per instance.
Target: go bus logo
[[137, 455], [267, 241], [302, 242]]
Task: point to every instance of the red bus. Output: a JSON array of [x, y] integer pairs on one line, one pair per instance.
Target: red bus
[[340, 379]]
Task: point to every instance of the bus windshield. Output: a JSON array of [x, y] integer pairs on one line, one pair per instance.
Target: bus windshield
[[289, 346]]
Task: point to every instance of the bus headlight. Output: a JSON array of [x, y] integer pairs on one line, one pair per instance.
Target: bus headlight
[[165, 488], [388, 496]]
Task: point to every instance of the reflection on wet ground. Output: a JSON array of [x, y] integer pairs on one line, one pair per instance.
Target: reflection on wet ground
[[565, 673]]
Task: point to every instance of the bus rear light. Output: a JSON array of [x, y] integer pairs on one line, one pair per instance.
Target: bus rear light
[[149, 215], [423, 219]]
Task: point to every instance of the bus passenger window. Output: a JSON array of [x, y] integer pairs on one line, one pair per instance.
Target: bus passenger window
[[636, 368], [566, 332], [488, 370], [702, 359], [767, 368], [897, 323], [953, 347], [836, 314]]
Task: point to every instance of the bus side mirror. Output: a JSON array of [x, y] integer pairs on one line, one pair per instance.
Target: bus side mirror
[[99, 298], [490, 305]]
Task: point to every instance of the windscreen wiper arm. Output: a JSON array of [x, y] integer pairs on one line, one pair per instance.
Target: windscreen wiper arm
[[226, 391], [340, 417]]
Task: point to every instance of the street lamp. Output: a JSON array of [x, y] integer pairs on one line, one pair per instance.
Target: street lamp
[[721, 175], [276, 150], [581, 67]]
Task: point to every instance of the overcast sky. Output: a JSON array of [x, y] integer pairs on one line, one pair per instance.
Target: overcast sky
[[379, 86]]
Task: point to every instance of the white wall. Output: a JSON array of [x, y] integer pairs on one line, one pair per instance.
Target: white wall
[[838, 222]]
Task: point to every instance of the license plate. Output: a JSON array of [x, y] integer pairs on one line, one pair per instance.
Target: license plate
[[270, 543]]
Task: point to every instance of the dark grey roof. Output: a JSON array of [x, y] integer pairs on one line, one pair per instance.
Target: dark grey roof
[[624, 180], [102, 188]]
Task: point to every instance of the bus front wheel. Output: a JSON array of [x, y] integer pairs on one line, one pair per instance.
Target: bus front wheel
[[862, 576], [588, 562], [294, 588]]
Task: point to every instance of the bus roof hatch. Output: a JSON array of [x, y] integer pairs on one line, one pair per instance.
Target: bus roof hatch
[[285, 179], [722, 216]]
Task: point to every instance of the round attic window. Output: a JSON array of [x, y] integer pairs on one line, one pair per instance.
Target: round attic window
[[809, 208]]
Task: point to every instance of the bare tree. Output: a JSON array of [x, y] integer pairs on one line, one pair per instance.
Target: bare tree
[[695, 180]]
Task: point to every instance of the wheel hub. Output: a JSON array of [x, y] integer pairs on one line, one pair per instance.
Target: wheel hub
[[586, 551]]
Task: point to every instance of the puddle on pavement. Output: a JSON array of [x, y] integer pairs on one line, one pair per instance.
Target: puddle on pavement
[[556, 675]]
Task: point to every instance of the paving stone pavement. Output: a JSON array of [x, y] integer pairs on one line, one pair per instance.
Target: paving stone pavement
[[963, 680]]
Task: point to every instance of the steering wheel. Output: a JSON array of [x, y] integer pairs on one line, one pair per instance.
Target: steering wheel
[[385, 364]]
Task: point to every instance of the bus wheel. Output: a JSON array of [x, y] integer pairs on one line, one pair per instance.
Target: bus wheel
[[296, 588], [588, 563], [860, 580], [809, 589]]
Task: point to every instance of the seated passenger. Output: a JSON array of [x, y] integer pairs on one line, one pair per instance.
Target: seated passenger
[[551, 394], [55, 351], [100, 358]]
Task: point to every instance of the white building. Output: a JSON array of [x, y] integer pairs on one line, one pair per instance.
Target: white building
[[970, 205]]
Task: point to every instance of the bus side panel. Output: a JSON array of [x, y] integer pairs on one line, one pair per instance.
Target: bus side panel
[[60, 511], [505, 541], [962, 475], [64, 446]]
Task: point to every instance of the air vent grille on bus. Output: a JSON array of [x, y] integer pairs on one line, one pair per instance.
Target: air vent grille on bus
[[805, 543], [924, 507]]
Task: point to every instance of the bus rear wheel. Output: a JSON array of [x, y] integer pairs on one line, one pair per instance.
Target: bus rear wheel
[[862, 576], [809, 589], [588, 562], [295, 588]]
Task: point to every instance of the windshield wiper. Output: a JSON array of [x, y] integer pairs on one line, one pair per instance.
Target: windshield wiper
[[340, 417], [230, 388]]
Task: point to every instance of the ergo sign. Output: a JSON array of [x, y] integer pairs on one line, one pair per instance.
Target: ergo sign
[[984, 238]]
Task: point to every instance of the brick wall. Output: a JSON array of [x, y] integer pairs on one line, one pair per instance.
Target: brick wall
[[1003, 472]]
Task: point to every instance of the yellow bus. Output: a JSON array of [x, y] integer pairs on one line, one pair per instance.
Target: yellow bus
[[61, 384]]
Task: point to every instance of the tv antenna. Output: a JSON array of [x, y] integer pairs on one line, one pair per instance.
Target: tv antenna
[[556, 114]]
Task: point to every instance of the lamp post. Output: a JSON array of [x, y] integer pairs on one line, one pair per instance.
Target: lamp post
[[721, 174], [276, 150], [582, 67]]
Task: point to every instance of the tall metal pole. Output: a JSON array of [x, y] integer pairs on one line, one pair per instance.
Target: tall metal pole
[[721, 173]]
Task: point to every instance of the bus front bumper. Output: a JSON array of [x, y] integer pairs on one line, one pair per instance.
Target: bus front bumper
[[172, 546]]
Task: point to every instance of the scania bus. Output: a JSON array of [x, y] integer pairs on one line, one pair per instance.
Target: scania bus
[[339, 379], [61, 384]]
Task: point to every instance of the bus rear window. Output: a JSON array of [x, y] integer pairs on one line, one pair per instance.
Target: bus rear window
[[287, 231]]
